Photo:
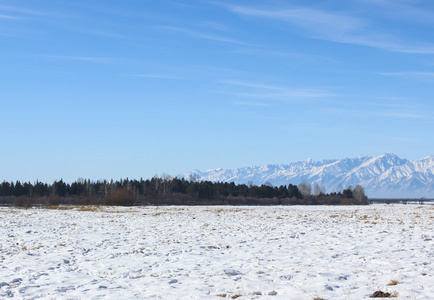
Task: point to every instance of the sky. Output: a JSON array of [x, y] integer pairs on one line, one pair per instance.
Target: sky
[[135, 88]]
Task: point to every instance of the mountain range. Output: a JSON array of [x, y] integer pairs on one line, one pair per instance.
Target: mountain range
[[385, 176]]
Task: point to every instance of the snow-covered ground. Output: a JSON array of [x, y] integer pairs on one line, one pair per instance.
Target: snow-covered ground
[[299, 252]]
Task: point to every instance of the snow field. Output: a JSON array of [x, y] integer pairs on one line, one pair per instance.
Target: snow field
[[277, 252]]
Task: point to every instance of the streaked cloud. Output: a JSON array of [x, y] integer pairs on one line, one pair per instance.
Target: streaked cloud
[[401, 139], [109, 34], [246, 103], [416, 75], [250, 84], [256, 51], [293, 55], [273, 92], [8, 17], [92, 59], [360, 110], [402, 10], [30, 12], [215, 25], [305, 17], [202, 35], [406, 115], [336, 27], [154, 76]]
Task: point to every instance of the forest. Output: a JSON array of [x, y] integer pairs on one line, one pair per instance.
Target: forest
[[166, 190]]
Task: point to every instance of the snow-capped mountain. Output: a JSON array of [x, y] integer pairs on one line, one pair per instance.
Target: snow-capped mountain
[[385, 176]]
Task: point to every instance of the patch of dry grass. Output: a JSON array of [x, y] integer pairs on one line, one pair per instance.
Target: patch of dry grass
[[159, 213], [73, 207], [380, 294], [59, 207], [88, 208], [393, 282]]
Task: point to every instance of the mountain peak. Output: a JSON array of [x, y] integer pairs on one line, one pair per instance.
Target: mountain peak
[[392, 159], [389, 155], [385, 176], [429, 157]]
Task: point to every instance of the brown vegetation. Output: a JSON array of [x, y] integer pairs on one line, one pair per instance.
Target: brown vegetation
[[121, 197], [393, 282], [380, 294]]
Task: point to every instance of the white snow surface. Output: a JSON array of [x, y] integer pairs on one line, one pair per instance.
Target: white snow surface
[[275, 252]]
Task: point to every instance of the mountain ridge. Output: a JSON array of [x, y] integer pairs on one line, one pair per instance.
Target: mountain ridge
[[385, 176]]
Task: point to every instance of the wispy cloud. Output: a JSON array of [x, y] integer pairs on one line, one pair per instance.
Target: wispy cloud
[[401, 139], [216, 26], [335, 27], [369, 113], [309, 18], [272, 53], [417, 75], [92, 59], [110, 10], [272, 92], [405, 115], [257, 51], [340, 111], [245, 103], [26, 21], [360, 110], [202, 35], [250, 84], [394, 107], [402, 10], [19, 10], [109, 34], [15, 10], [153, 76], [8, 17]]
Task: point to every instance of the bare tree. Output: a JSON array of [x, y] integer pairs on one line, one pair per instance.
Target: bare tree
[[89, 188], [157, 183], [167, 183], [305, 189], [193, 177], [359, 194], [340, 188], [163, 184], [318, 189]]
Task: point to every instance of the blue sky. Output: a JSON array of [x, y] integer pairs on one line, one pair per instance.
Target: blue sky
[[134, 88]]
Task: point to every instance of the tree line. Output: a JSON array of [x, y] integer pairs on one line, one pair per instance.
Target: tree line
[[166, 190]]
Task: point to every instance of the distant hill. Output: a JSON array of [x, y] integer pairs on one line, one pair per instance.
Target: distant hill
[[385, 176]]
